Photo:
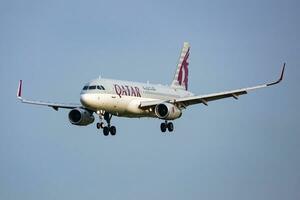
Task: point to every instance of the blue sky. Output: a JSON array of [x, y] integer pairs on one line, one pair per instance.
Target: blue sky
[[245, 149]]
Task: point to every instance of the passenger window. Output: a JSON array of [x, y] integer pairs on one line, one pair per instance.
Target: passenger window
[[92, 87], [85, 88]]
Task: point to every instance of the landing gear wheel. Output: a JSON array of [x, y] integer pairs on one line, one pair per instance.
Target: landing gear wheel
[[105, 131], [170, 126], [100, 125], [163, 127], [113, 130]]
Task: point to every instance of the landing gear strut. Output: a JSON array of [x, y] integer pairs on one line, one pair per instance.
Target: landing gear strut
[[166, 126], [106, 129]]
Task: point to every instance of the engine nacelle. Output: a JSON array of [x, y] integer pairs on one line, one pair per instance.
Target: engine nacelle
[[81, 117], [167, 111]]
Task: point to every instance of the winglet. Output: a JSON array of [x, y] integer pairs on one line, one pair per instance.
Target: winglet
[[19, 93], [281, 77]]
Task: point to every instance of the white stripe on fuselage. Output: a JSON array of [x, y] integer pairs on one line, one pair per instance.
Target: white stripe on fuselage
[[123, 98]]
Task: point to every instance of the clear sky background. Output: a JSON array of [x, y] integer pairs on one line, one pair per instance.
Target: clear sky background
[[246, 149]]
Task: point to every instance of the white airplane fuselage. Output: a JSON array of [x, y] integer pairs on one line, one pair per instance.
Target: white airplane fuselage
[[122, 98]]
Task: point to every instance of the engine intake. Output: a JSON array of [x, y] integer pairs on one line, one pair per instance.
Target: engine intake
[[81, 117], [167, 111]]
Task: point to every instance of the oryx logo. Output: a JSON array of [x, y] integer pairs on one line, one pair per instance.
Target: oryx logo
[[184, 71]]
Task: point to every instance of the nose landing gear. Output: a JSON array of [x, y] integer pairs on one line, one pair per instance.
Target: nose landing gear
[[100, 125], [106, 129], [166, 126]]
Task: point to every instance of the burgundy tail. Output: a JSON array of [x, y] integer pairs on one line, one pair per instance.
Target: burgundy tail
[[180, 80]]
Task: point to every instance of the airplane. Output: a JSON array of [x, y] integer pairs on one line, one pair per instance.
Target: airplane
[[109, 97]]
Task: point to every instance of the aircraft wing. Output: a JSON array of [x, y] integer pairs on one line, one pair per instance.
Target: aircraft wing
[[204, 99], [55, 106]]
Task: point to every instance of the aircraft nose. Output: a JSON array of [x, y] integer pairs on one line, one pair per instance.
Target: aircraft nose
[[84, 99]]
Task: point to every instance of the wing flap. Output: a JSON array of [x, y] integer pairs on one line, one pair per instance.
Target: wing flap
[[55, 106]]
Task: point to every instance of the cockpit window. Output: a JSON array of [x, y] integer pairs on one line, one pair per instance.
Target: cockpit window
[[92, 87], [100, 87]]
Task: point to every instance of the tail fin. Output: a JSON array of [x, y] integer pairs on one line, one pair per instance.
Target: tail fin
[[180, 80]]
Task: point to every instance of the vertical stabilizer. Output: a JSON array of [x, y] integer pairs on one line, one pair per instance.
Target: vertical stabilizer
[[180, 80]]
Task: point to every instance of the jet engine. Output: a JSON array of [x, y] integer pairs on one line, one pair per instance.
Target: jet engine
[[81, 117], [167, 111]]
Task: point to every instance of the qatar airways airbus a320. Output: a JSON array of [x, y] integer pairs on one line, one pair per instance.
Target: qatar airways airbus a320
[[108, 97]]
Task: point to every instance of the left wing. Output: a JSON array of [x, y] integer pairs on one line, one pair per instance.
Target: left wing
[[55, 106], [204, 99]]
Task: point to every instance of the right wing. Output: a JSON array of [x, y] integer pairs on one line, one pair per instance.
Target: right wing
[[55, 106], [204, 99]]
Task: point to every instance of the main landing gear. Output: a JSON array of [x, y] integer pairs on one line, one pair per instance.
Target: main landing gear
[[166, 126], [106, 129]]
